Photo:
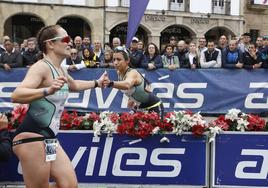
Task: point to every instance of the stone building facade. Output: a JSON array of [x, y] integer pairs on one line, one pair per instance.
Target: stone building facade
[[102, 22]]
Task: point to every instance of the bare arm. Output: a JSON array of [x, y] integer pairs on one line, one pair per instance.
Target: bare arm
[[132, 78], [33, 86], [28, 90], [79, 85]]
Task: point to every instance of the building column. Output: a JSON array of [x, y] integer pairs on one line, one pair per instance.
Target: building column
[[154, 38]]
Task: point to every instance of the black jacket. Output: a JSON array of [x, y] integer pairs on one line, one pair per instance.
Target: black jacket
[[5, 145], [14, 60], [30, 58]]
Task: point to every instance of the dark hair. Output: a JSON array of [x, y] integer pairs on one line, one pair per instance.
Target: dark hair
[[247, 34], [46, 33], [147, 49], [169, 45]]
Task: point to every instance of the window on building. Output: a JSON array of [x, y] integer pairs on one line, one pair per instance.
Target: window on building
[[125, 3], [221, 3], [178, 5]]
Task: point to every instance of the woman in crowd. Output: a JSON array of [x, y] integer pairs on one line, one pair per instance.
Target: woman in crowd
[[192, 57], [170, 61], [90, 59], [45, 87], [151, 59], [108, 59]]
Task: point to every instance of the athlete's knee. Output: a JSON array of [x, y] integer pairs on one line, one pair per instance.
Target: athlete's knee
[[70, 183]]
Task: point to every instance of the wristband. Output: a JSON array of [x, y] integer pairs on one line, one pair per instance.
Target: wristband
[[96, 83], [111, 84], [45, 92]]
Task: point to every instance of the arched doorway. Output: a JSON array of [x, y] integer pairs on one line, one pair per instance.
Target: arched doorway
[[75, 26], [22, 26], [178, 31], [215, 33], [120, 31]]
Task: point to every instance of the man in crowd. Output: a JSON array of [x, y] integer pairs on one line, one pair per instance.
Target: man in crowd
[[11, 58], [136, 55], [232, 56], [210, 58], [116, 42], [202, 44], [244, 43], [30, 56], [74, 62], [223, 43], [78, 45], [2, 48]]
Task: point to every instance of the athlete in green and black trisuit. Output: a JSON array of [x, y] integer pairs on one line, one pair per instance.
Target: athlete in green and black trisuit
[[133, 84], [43, 116]]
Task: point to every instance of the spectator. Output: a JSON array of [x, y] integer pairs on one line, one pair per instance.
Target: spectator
[[86, 43], [173, 42], [210, 58], [2, 48], [264, 52], [108, 59], [151, 59], [30, 56], [98, 50], [107, 46], [244, 43], [140, 46], [191, 59], [16, 46], [5, 142], [136, 55], [169, 60], [252, 58], [181, 51], [116, 42], [74, 62], [223, 43], [202, 44], [78, 45], [23, 46], [90, 59], [232, 56], [11, 58], [259, 43]]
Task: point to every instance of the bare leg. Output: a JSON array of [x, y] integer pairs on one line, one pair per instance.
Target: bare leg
[[62, 171], [35, 169]]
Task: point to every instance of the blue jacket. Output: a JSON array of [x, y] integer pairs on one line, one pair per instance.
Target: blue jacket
[[156, 60], [231, 58]]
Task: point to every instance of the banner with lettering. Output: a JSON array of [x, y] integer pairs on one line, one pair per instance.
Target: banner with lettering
[[121, 159], [205, 90], [240, 160]]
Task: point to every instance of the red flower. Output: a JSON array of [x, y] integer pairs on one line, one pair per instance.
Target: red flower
[[256, 123], [221, 122], [198, 130], [19, 113]]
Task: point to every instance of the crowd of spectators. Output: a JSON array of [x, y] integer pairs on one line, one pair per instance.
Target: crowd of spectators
[[235, 53]]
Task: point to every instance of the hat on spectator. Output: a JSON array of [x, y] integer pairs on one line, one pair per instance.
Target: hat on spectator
[[135, 39]]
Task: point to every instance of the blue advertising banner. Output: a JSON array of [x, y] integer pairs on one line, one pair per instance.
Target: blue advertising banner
[[240, 160], [205, 90], [121, 159]]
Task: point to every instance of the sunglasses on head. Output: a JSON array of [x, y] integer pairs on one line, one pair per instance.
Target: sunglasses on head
[[121, 49], [73, 53], [65, 39]]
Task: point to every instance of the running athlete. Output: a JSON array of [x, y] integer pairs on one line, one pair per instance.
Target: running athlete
[[45, 87], [133, 84]]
